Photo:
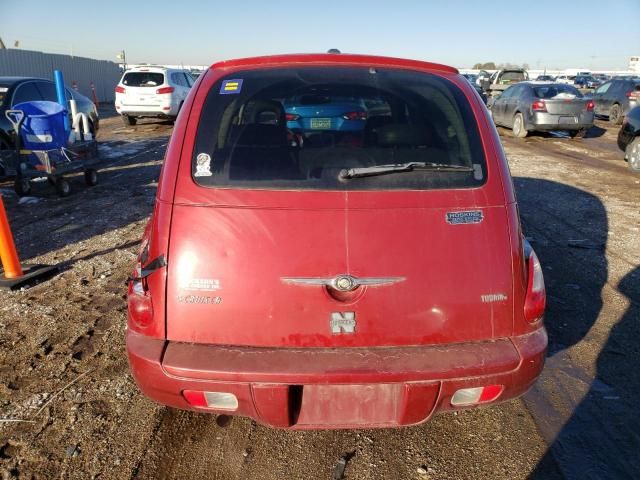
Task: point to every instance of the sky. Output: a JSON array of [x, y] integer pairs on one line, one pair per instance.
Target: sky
[[593, 34]]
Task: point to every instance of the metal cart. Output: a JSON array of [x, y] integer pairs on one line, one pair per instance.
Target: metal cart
[[53, 163]]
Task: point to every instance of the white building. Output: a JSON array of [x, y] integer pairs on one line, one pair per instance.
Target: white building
[[634, 64]]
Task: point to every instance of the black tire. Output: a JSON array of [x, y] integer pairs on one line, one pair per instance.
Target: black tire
[[633, 156], [3, 146], [91, 177], [615, 114], [63, 187], [129, 120], [518, 126], [578, 133], [22, 186]]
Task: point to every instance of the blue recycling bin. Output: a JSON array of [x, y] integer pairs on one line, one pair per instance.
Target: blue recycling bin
[[43, 128]]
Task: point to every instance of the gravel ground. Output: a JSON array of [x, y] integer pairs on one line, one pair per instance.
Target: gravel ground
[[580, 209]]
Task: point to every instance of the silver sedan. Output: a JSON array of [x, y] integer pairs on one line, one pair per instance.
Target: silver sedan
[[533, 106]]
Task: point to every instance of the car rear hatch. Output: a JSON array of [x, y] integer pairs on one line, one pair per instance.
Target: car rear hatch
[[560, 99], [566, 106], [141, 88], [265, 236]]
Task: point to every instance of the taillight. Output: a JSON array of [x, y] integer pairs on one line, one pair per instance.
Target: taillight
[[476, 395], [355, 116], [539, 106], [217, 400], [120, 89], [292, 117], [536, 298], [162, 90], [589, 106], [139, 302]]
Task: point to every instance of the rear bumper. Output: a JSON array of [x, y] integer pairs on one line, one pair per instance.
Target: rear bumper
[[334, 388], [155, 111], [548, 121]]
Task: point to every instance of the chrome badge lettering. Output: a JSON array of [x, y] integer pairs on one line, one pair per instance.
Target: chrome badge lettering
[[493, 297], [343, 322], [209, 284], [199, 299], [461, 218]]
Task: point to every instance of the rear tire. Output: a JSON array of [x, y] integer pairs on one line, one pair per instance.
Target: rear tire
[[91, 177], [63, 187], [578, 133], [128, 120], [22, 186], [518, 126], [615, 114], [633, 156]]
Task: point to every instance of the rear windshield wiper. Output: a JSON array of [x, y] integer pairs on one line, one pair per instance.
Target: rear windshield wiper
[[401, 167]]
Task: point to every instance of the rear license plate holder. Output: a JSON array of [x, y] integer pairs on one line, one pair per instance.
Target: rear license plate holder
[[568, 120], [320, 123], [351, 404]]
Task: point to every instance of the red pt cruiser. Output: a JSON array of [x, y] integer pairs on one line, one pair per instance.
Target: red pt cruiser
[[335, 243]]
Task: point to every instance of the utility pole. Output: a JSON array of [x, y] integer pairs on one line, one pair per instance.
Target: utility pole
[[123, 57]]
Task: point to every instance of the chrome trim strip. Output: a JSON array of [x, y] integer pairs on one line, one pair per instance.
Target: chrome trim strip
[[342, 283]]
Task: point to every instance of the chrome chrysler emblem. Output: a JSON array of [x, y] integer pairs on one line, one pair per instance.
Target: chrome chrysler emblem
[[342, 283]]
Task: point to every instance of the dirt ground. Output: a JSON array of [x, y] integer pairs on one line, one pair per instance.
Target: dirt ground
[[579, 206]]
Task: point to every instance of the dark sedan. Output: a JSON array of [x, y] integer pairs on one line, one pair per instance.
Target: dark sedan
[[586, 81], [612, 98], [14, 90], [629, 139], [530, 106]]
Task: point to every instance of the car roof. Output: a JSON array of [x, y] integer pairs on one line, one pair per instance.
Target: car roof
[[332, 59], [149, 68], [12, 80]]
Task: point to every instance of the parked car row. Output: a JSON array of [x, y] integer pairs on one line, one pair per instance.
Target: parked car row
[[554, 106]]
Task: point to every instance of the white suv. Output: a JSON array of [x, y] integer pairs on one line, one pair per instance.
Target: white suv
[[148, 91]]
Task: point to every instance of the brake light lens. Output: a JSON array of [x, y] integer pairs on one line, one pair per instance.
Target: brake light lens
[[163, 90], [139, 304], [292, 117], [536, 298], [355, 116], [476, 395], [120, 89], [539, 106], [217, 400], [590, 106]]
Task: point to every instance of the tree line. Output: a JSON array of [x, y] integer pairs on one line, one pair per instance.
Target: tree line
[[499, 66]]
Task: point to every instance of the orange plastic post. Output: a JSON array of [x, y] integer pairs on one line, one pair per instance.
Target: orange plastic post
[[8, 254]]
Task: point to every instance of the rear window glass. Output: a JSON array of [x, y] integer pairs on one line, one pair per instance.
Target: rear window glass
[[337, 129], [508, 77], [557, 90], [143, 79]]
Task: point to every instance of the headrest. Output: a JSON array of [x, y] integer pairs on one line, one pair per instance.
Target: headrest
[[401, 135], [259, 135]]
